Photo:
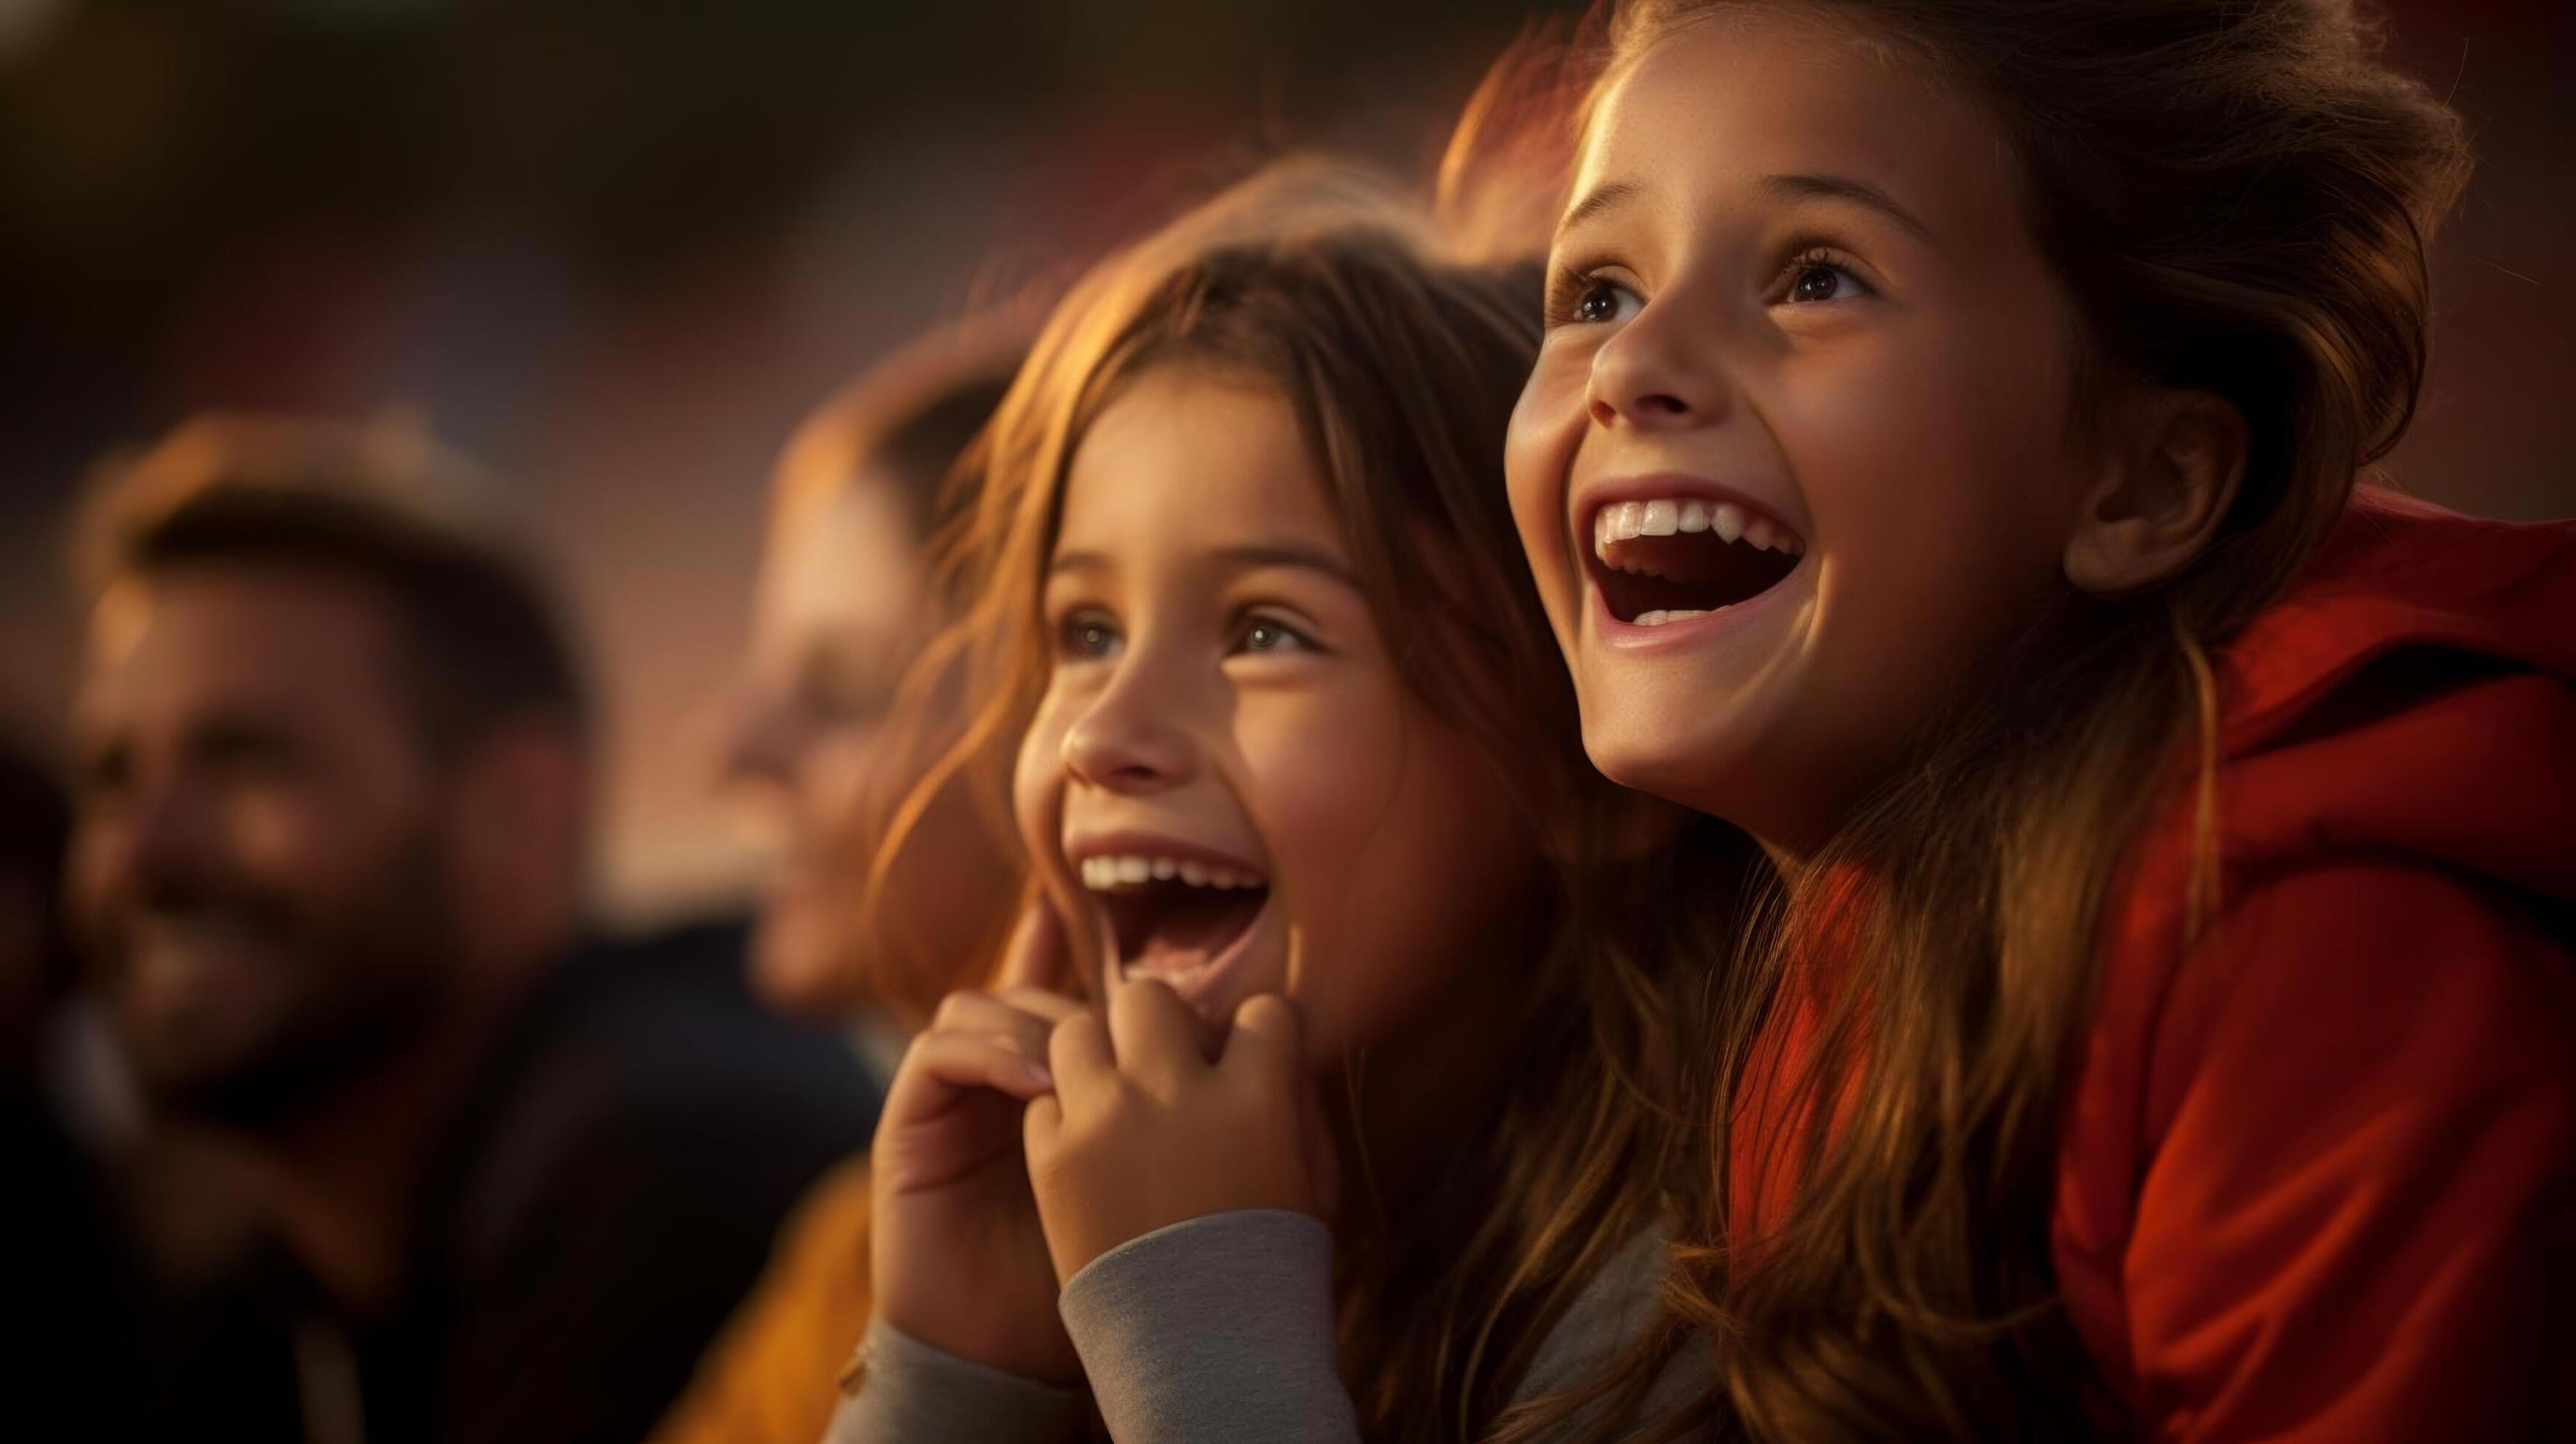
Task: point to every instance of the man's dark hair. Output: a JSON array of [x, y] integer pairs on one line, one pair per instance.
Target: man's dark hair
[[481, 641]]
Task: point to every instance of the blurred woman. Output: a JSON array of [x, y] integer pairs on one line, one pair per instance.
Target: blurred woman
[[849, 593]]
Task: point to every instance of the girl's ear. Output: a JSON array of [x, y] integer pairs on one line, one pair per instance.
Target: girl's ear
[[2173, 473]]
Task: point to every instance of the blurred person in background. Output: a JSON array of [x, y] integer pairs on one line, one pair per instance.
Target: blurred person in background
[[70, 1281], [838, 714], [849, 594], [331, 792]]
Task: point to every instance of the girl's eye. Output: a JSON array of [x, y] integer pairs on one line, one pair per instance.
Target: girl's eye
[[1085, 636], [1600, 302], [1814, 279], [1268, 634]]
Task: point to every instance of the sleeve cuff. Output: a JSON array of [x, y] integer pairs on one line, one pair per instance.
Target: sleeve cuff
[[903, 1391], [1218, 1327]]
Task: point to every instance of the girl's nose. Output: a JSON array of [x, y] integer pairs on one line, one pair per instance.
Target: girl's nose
[[1654, 376], [1125, 742]]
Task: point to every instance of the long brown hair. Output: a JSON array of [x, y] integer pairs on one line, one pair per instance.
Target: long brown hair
[[2237, 195], [1326, 287]]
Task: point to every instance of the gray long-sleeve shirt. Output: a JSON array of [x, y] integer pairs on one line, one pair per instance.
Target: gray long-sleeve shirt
[[1215, 1328]]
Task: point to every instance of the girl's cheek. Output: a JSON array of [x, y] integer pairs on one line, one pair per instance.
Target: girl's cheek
[[1546, 427], [1037, 780], [1931, 502], [1323, 776], [1297, 773]]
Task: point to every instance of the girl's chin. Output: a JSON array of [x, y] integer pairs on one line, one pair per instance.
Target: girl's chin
[[1705, 766], [1658, 745]]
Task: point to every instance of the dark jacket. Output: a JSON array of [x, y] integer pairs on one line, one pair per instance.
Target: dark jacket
[[605, 1195]]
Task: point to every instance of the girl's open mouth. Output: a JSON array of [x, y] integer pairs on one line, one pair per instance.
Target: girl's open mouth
[[1670, 559], [1183, 920]]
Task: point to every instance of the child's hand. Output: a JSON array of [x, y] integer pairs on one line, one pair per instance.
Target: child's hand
[[956, 1252], [1142, 1131]]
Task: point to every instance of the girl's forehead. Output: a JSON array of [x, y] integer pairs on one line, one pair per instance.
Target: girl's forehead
[[1754, 95], [1183, 461]]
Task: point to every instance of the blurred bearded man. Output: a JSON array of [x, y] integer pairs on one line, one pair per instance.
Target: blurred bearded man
[[332, 781]]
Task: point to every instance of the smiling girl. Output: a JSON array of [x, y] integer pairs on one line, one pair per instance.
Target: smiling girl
[[1941, 466], [1352, 1118]]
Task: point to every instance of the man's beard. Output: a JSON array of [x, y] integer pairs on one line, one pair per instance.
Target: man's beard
[[371, 981]]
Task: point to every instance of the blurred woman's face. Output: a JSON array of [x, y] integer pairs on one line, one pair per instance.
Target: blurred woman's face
[[844, 605]]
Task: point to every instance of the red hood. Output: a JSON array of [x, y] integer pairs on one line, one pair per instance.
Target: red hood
[[2240, 1195], [2414, 696]]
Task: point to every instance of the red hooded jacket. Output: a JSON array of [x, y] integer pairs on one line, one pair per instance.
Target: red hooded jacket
[[2318, 1175]]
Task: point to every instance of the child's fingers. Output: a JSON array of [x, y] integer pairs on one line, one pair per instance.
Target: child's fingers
[[1267, 1050], [1269, 1039], [960, 1061], [1036, 957], [1154, 1034], [1038, 1002], [1078, 1053], [1040, 1123], [983, 1013]]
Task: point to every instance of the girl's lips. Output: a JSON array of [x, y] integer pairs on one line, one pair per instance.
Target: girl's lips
[[1682, 633], [1213, 989], [1171, 880]]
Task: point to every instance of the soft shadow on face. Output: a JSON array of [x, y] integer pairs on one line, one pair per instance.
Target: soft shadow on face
[[1221, 697], [1795, 278], [258, 866]]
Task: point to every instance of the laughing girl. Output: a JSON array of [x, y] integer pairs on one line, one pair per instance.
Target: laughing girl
[[1346, 1076], [1941, 466]]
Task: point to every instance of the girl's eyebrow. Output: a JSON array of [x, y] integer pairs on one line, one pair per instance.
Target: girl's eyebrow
[[1610, 195], [1303, 558], [1607, 196], [1245, 557], [1846, 188]]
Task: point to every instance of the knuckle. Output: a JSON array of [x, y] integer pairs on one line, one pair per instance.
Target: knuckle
[[1268, 1012], [1147, 994], [1132, 1102]]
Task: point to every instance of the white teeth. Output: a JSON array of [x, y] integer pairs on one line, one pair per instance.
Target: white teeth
[[1660, 616], [1108, 874], [1627, 520]]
